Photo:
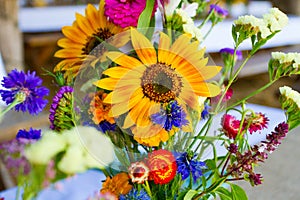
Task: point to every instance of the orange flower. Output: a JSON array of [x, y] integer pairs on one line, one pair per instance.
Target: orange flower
[[162, 166], [100, 110], [151, 135], [118, 184]]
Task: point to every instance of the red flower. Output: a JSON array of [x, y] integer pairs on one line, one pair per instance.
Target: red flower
[[162, 166], [138, 172], [256, 122], [230, 126]]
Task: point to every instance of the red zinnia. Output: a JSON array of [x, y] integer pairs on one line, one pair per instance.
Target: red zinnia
[[256, 122], [230, 126], [162, 166]]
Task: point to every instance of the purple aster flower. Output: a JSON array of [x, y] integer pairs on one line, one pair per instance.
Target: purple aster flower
[[125, 12], [135, 194], [61, 109], [28, 87], [32, 134], [173, 115], [230, 52], [221, 12], [187, 164]]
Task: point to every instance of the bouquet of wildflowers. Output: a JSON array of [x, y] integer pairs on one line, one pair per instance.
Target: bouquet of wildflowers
[[137, 100]]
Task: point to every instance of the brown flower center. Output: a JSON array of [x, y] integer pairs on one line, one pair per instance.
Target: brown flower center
[[161, 83], [96, 39]]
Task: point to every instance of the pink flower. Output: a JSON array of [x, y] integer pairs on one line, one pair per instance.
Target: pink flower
[[230, 126], [256, 122], [125, 12]]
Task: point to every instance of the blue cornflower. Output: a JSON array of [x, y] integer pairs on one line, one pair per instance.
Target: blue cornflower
[[134, 194], [173, 115], [25, 91], [205, 111], [187, 164], [106, 126], [32, 134]]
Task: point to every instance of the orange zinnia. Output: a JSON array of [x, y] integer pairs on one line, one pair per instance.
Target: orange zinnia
[[118, 184]]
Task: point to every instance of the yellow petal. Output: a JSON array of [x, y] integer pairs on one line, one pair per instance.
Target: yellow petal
[[92, 15], [163, 47], [84, 24], [69, 53], [106, 83], [124, 60], [206, 89], [74, 34], [143, 47], [122, 73]]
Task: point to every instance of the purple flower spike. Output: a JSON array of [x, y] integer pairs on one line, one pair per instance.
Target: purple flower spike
[[219, 10], [230, 51], [30, 85], [32, 134]]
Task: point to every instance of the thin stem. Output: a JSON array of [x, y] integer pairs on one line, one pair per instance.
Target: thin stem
[[19, 98], [208, 32], [225, 164], [205, 20]]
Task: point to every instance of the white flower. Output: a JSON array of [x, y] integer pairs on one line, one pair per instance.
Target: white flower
[[170, 6], [46, 148], [73, 160], [193, 30], [100, 150], [287, 58], [276, 19], [190, 8], [184, 16], [289, 93], [254, 22]]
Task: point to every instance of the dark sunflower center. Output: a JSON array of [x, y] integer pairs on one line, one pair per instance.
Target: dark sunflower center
[[96, 39], [160, 83]]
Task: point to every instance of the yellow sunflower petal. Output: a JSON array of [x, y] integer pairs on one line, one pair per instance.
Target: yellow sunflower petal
[[66, 43], [68, 53], [163, 47], [134, 113], [143, 47], [84, 24], [74, 34], [92, 15], [121, 72], [106, 83], [122, 95], [206, 89], [124, 60]]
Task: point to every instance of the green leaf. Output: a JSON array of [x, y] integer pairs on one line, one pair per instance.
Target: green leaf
[[224, 194], [238, 193], [189, 195], [144, 19]]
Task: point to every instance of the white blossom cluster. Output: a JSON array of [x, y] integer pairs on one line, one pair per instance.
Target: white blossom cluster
[[287, 58], [291, 94], [273, 21], [188, 24], [81, 146]]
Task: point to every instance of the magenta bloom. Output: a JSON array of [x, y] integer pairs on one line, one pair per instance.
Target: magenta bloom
[[125, 12], [230, 126], [256, 123]]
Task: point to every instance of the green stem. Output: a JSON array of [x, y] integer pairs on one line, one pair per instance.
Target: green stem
[[19, 98], [205, 20], [208, 32], [147, 188]]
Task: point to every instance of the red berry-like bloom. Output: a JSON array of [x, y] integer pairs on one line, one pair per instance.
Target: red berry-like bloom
[[138, 172], [230, 126], [256, 123], [162, 166]]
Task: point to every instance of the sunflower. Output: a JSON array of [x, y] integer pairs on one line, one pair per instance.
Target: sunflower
[[86, 33], [141, 85]]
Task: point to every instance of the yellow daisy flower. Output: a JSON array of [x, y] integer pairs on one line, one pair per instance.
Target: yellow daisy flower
[[141, 85], [86, 33]]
